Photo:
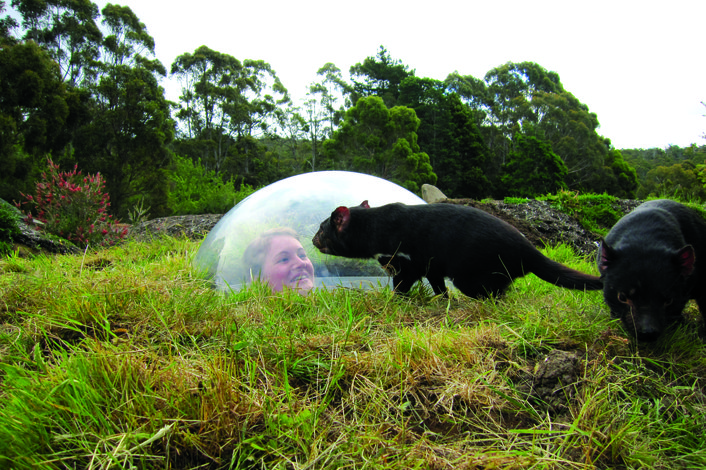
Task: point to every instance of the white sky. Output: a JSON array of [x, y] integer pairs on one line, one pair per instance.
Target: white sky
[[639, 65]]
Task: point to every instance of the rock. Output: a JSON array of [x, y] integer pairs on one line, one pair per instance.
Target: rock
[[432, 194], [36, 241], [194, 227], [541, 223]]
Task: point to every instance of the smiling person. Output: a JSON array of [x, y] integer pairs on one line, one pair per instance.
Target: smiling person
[[278, 258]]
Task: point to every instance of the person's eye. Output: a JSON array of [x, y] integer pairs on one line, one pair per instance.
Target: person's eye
[[283, 259]]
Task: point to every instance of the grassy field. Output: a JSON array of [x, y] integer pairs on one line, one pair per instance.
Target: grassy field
[[124, 358]]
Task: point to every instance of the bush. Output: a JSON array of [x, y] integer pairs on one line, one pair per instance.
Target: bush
[[196, 190], [9, 226], [595, 212], [73, 207], [515, 200]]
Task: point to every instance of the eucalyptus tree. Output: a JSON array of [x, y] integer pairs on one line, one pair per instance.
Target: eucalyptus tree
[[427, 97], [332, 91], [514, 95], [7, 26], [67, 29], [618, 178], [33, 114], [511, 89], [292, 133], [315, 117], [110, 114], [380, 76], [462, 158], [225, 101], [594, 165], [380, 141], [509, 93], [474, 93], [34, 107], [449, 135], [323, 108], [130, 129], [681, 180], [532, 167]]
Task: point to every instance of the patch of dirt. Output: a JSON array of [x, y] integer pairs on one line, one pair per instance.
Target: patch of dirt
[[554, 381]]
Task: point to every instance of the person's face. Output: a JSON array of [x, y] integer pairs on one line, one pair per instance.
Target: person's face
[[286, 264]]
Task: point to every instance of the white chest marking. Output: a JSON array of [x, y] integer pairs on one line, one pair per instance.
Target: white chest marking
[[377, 257]]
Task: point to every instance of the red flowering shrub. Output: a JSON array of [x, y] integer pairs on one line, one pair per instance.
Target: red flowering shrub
[[73, 207]]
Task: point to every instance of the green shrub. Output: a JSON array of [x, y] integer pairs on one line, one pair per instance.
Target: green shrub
[[566, 201], [9, 226], [196, 190], [595, 212], [599, 217], [515, 200], [9, 221], [139, 212]]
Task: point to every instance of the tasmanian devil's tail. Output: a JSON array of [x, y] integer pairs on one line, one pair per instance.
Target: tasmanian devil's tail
[[563, 276]]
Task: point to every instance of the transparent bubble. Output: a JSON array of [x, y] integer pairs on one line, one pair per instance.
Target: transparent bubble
[[301, 203]]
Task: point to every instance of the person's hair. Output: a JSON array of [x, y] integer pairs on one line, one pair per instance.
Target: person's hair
[[254, 256]]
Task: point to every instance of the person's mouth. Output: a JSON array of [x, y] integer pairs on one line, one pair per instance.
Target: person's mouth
[[300, 278]]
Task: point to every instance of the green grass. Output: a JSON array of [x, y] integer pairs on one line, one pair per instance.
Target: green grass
[[124, 358]]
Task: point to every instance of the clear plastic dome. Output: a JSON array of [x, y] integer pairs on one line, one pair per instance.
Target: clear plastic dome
[[301, 203]]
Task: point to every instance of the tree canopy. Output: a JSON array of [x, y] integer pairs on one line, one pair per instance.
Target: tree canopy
[[380, 141], [33, 112], [532, 168], [225, 102], [83, 86], [379, 76]]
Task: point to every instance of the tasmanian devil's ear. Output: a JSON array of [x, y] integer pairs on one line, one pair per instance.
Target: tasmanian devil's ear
[[606, 255], [365, 205], [687, 258], [340, 218]]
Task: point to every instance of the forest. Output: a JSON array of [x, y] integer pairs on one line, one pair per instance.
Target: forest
[[83, 87]]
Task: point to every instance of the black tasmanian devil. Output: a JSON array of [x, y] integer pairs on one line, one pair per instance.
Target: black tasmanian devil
[[480, 253], [650, 263]]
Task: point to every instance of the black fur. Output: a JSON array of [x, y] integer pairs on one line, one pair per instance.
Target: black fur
[[480, 253], [650, 266]]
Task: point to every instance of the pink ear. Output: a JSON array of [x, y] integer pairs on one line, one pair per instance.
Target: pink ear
[[340, 218], [364, 204], [687, 258], [605, 256]]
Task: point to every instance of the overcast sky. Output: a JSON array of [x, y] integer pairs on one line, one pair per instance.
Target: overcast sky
[[639, 65]]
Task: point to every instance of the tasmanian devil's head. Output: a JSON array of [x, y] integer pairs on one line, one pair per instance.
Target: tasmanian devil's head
[[647, 288], [332, 235]]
